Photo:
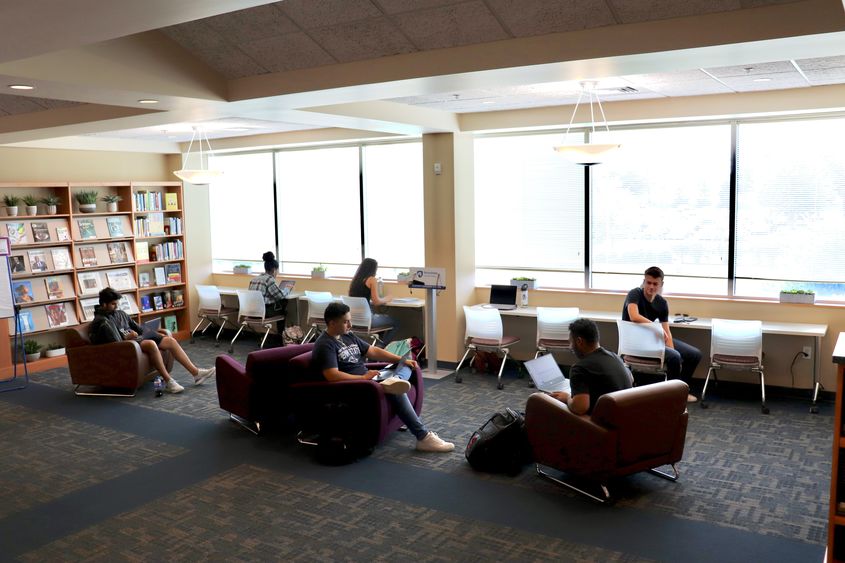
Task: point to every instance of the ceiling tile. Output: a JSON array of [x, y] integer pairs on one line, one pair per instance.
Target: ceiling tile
[[310, 14], [359, 40], [688, 87], [399, 6], [755, 69], [54, 104], [195, 36], [287, 52], [525, 18], [632, 11], [450, 26], [230, 62], [826, 76], [666, 77], [821, 63], [14, 105], [252, 24], [758, 3]]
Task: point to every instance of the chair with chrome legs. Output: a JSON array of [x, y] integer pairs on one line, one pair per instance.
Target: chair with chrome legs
[[317, 303], [212, 311], [484, 333], [251, 311], [737, 345], [362, 318], [642, 347]]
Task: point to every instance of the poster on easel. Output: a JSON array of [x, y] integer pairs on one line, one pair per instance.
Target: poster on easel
[[7, 304]]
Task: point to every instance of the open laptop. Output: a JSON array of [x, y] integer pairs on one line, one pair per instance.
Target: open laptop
[[286, 286], [546, 374], [502, 297], [400, 369]]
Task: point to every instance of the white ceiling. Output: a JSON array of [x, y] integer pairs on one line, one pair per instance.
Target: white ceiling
[[247, 67]]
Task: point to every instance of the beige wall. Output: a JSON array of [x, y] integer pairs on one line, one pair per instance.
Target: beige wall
[[41, 165]]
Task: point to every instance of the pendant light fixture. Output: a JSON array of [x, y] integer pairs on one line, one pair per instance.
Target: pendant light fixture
[[202, 174], [587, 154]]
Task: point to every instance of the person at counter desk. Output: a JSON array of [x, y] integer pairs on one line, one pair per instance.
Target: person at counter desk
[[365, 284]]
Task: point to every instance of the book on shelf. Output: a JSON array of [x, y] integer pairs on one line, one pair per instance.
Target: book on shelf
[[37, 261], [120, 279], [54, 287], [144, 279], [115, 225], [17, 264], [170, 323], [171, 202], [117, 252], [124, 305], [62, 234], [88, 306], [22, 290], [87, 231], [56, 315], [142, 251], [61, 258], [173, 226], [166, 251], [158, 303], [88, 256], [17, 233], [40, 232], [26, 322], [167, 299], [174, 273], [178, 297], [147, 201], [160, 277], [89, 282], [146, 303]]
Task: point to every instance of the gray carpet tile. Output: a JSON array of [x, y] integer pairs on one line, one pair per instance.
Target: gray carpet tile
[[45, 456], [255, 514]]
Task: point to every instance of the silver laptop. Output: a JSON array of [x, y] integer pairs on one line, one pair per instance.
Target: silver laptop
[[400, 369], [502, 297], [546, 375], [286, 286]]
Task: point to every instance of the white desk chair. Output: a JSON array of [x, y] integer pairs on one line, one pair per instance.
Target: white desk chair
[[737, 345], [362, 318], [317, 303], [251, 312], [553, 328], [642, 347], [211, 310], [484, 333]]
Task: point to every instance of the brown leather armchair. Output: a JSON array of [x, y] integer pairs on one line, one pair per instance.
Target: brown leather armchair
[[114, 366], [638, 429]]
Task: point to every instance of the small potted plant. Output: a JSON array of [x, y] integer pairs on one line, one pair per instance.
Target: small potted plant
[[527, 283], [87, 201], [318, 272], [32, 349], [52, 202], [54, 350], [111, 202], [31, 203], [403, 277], [11, 202], [797, 296], [242, 268]]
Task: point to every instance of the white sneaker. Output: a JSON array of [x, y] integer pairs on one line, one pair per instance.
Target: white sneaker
[[203, 374], [692, 398], [395, 386], [434, 443], [173, 387]]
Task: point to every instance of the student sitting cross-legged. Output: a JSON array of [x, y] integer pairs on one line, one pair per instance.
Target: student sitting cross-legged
[[338, 354]]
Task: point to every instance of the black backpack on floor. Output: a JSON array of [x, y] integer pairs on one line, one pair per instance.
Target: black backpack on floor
[[500, 445], [337, 441]]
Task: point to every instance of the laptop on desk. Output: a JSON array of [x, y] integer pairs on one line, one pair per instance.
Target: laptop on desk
[[502, 297]]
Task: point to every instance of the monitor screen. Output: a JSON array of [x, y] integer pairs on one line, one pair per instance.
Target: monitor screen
[[503, 294]]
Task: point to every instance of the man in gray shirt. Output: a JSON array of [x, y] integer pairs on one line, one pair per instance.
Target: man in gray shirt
[[597, 371]]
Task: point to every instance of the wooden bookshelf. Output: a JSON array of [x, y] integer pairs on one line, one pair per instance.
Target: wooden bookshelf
[[101, 250], [836, 521]]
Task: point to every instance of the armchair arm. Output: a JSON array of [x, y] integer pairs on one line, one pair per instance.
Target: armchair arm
[[125, 362], [564, 440], [234, 385]]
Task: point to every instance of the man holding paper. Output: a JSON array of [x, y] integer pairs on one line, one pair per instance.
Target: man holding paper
[[597, 371]]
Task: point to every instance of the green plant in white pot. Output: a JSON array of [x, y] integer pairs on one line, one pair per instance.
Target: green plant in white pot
[[54, 350], [87, 200], [528, 283], [797, 296], [241, 268], [31, 203], [111, 202], [11, 202], [403, 277], [32, 349], [318, 272], [51, 202]]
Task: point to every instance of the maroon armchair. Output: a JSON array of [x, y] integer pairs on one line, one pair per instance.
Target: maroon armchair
[[279, 383], [638, 429], [118, 365]]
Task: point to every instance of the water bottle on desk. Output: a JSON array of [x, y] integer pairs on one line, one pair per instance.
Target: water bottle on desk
[[158, 384]]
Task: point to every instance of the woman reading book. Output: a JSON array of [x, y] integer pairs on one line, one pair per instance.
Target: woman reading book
[[365, 284]]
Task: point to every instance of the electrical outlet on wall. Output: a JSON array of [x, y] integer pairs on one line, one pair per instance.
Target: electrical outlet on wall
[[808, 352]]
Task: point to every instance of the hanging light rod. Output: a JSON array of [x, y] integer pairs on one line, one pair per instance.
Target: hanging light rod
[[203, 174], [587, 154]]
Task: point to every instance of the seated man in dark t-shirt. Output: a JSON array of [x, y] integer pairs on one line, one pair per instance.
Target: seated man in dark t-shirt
[[644, 305], [339, 354], [597, 371]]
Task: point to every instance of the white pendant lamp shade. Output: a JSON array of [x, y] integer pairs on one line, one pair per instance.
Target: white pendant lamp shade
[[588, 154], [203, 174]]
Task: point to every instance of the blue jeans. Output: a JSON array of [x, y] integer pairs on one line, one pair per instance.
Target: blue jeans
[[380, 320], [682, 361], [405, 411]]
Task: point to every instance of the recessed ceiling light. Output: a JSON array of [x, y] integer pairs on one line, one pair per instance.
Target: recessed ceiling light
[[762, 80], [21, 87], [147, 101], [488, 102]]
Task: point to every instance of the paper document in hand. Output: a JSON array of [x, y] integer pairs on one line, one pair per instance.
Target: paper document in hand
[[546, 374]]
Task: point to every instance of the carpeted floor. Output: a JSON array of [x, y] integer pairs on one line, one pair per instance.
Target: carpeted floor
[[170, 478]]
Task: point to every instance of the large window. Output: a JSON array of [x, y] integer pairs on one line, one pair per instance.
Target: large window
[[663, 200], [790, 204], [529, 212]]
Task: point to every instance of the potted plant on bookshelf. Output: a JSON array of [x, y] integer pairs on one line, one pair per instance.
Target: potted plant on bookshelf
[[529, 283], [87, 201], [31, 203], [51, 202], [241, 268], [318, 272], [11, 202], [111, 202], [32, 349], [403, 277], [797, 296], [53, 350]]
